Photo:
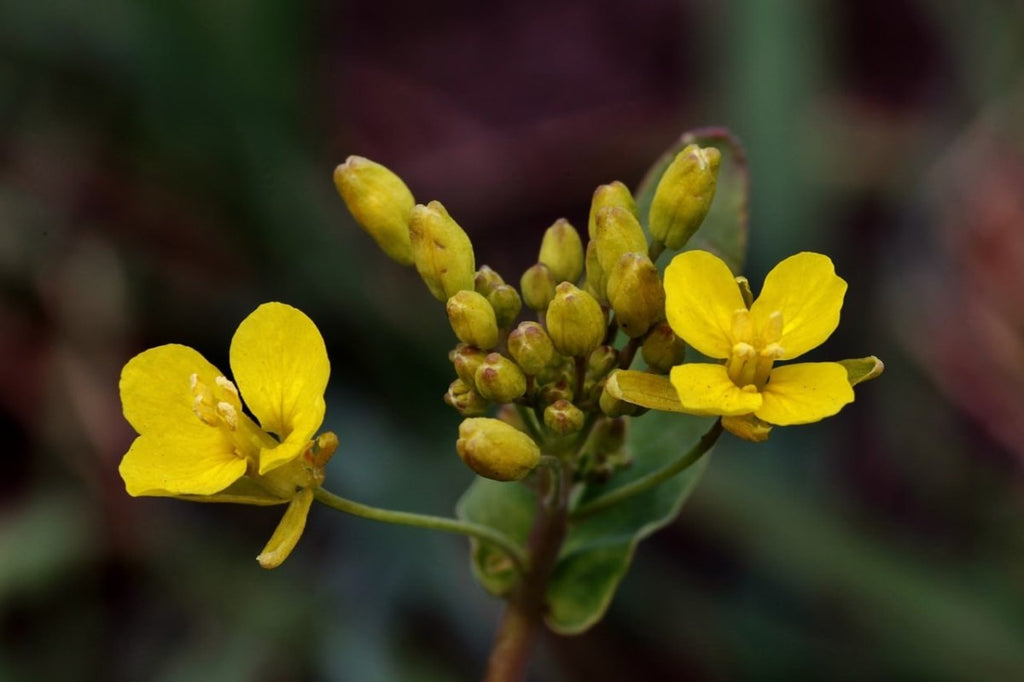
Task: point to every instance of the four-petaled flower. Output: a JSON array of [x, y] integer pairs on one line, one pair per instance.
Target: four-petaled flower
[[797, 310], [195, 441]]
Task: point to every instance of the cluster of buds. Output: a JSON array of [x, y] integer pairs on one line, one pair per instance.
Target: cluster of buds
[[594, 305]]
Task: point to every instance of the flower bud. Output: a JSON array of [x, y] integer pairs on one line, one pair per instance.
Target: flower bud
[[618, 232], [683, 196], [505, 301], [636, 294], [612, 194], [380, 202], [596, 282], [486, 279], [609, 435], [538, 287], [662, 349], [441, 250], [463, 398], [563, 417], [531, 347], [472, 319], [554, 391], [601, 361], [576, 323], [467, 359], [499, 379], [493, 449], [562, 251]]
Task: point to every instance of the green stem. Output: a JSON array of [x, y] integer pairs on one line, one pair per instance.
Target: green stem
[[655, 478], [440, 523]]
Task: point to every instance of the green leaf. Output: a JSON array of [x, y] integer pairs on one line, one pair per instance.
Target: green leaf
[[598, 550], [724, 231], [508, 507]]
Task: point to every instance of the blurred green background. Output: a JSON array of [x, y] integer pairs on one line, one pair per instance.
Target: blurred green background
[[166, 166]]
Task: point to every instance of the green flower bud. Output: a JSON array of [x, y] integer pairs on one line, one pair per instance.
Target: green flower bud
[[597, 280], [612, 194], [562, 251], [380, 202], [531, 347], [563, 417], [499, 379], [601, 361], [618, 232], [609, 435], [467, 360], [576, 323], [441, 250], [463, 398], [506, 303], [538, 287], [683, 196], [636, 294], [485, 280], [560, 369], [662, 349], [493, 449], [472, 319]]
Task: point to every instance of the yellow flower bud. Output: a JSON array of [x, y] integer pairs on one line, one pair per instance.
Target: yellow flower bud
[[472, 319], [662, 349], [612, 194], [506, 303], [496, 450], [531, 347], [467, 359], [618, 232], [486, 279], [601, 361], [576, 323], [683, 196], [499, 379], [441, 251], [563, 417], [538, 287], [636, 294], [554, 391], [562, 251], [596, 281], [463, 398], [380, 202]]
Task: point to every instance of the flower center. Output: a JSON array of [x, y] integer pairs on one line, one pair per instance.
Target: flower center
[[220, 407], [754, 351]]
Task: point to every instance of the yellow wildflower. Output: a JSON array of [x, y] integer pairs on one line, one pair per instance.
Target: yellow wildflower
[[797, 310], [195, 441]]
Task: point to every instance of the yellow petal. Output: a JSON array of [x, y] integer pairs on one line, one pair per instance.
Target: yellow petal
[[807, 291], [189, 461], [288, 531], [706, 389], [700, 297], [177, 454], [280, 366], [805, 392], [156, 391]]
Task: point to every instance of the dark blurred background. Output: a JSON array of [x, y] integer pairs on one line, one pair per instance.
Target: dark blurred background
[[166, 166]]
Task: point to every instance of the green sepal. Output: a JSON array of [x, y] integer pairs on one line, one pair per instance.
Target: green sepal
[[648, 390], [862, 369], [724, 230]]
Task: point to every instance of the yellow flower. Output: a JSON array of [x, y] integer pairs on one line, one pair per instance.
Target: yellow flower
[[195, 441], [797, 310]]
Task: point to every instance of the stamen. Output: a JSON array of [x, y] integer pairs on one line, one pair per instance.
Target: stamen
[[773, 330], [740, 367], [742, 327], [228, 413], [227, 385], [203, 410]]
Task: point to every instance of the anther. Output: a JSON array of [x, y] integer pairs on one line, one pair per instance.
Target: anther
[[228, 414], [742, 327]]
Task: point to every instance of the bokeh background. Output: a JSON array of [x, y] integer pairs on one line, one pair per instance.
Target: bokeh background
[[166, 166]]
